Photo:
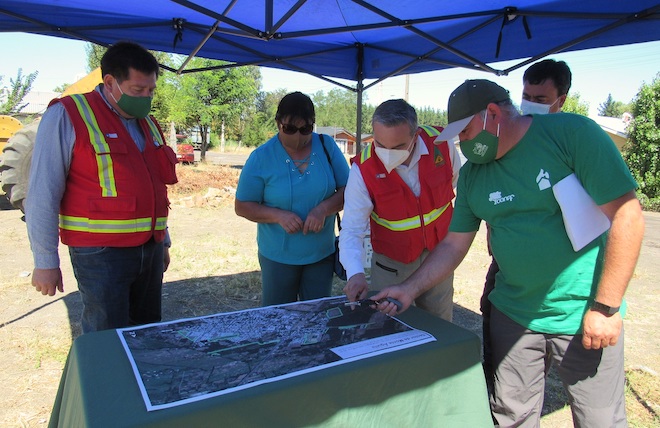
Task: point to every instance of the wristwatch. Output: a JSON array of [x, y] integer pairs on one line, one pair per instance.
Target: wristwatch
[[607, 310]]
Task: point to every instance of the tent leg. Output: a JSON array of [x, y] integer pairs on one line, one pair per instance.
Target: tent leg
[[358, 131], [360, 89]]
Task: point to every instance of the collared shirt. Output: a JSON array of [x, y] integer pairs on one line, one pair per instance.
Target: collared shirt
[[358, 205], [51, 159]]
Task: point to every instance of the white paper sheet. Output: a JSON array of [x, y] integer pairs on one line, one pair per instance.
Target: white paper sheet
[[583, 219]]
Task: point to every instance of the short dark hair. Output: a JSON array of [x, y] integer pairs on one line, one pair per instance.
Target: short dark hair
[[557, 71], [296, 105], [395, 112], [124, 55]]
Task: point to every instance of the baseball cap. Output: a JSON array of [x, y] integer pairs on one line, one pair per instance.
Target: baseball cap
[[467, 100]]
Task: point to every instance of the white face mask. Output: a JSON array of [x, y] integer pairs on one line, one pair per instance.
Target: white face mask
[[528, 107], [392, 158]]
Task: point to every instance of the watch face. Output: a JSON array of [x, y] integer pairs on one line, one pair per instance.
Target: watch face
[[608, 310]]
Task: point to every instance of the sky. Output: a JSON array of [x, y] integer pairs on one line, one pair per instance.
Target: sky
[[619, 71]]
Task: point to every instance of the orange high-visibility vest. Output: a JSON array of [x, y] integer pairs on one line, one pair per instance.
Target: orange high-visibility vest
[[403, 225], [115, 195]]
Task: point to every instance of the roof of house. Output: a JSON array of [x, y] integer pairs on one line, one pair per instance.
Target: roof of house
[[332, 130], [37, 102], [612, 125]]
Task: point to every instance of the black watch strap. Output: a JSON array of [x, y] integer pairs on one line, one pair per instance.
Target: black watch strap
[[607, 310]]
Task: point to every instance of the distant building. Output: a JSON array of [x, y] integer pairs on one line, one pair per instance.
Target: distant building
[[615, 127], [37, 102], [345, 140]]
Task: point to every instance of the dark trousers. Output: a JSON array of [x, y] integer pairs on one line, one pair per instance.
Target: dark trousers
[[119, 287], [485, 307]]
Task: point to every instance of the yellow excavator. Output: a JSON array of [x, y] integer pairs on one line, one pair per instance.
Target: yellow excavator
[[16, 142]]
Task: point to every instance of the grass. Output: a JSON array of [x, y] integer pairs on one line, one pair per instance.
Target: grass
[[642, 398]]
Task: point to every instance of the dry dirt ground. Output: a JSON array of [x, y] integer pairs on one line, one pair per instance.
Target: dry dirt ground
[[214, 269]]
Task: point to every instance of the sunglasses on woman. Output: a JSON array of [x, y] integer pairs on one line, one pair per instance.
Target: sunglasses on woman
[[290, 129]]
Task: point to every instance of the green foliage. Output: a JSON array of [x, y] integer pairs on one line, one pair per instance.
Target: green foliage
[[336, 108], [574, 105], [642, 151], [367, 114], [207, 100], [260, 123], [611, 108], [429, 116], [647, 203], [61, 88], [94, 54], [11, 97]]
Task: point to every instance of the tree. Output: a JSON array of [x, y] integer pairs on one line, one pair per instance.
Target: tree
[[642, 151], [336, 108], [612, 108], [574, 105], [212, 99], [260, 123], [11, 97], [61, 88], [94, 54], [430, 116]]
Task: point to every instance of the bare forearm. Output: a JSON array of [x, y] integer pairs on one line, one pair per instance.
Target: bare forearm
[[621, 252], [334, 203], [257, 212]]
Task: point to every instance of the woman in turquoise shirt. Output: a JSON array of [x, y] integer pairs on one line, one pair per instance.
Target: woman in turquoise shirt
[[292, 192]]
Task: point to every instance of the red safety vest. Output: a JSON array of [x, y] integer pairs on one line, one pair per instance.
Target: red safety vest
[[115, 195], [403, 225]]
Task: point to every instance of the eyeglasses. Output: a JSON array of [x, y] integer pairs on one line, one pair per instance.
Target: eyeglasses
[[290, 129]]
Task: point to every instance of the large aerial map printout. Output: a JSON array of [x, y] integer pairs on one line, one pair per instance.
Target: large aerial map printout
[[187, 360]]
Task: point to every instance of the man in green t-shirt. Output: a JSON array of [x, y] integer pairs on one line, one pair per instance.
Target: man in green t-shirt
[[554, 300], [545, 88]]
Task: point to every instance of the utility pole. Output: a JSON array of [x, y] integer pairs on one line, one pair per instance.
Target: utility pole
[[406, 90]]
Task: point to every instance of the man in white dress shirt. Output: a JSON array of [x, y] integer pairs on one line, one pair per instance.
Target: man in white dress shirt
[[400, 189]]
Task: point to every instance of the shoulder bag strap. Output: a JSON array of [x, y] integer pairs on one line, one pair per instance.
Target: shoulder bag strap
[[327, 155]]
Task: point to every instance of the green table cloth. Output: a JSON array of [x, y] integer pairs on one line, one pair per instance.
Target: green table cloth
[[437, 384]]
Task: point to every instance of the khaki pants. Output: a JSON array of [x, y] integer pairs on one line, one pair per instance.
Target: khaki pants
[[439, 300], [594, 380]]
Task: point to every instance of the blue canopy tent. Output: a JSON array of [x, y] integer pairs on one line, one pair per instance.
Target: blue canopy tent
[[357, 40]]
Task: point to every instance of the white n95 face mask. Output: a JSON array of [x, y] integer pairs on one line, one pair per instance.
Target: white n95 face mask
[[391, 158], [528, 107]]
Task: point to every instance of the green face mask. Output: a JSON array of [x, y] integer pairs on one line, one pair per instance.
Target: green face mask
[[483, 147], [135, 106]]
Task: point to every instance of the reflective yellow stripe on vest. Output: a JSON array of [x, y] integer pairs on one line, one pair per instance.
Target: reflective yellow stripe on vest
[[366, 153], [101, 148], [161, 223], [155, 134], [83, 224], [431, 131], [410, 222]]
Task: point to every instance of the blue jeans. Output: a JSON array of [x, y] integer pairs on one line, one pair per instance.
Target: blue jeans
[[120, 287], [282, 283]]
